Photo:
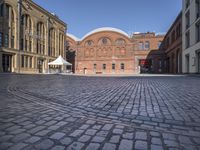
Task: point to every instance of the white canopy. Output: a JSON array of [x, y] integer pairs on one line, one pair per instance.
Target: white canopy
[[60, 61]]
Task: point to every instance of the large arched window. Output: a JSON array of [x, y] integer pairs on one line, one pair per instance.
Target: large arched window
[[27, 32], [52, 41], [8, 35], [40, 38]]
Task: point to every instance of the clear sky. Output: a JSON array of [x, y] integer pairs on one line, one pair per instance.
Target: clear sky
[[82, 16]]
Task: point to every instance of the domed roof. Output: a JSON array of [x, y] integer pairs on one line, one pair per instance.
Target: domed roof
[[73, 37], [106, 29]]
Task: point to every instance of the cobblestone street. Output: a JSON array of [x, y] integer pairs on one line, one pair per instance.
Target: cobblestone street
[[88, 113]]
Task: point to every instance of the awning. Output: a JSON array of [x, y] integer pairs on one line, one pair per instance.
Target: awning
[[60, 61]]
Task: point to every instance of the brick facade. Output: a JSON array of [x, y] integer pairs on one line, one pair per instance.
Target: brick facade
[[112, 51]]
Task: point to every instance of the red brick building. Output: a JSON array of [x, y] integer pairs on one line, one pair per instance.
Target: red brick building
[[172, 46], [112, 51]]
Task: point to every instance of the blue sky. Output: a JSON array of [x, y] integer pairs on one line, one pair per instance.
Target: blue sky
[[82, 16]]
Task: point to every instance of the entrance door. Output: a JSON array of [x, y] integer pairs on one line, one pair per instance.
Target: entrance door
[[40, 65], [7, 63], [187, 58], [85, 70]]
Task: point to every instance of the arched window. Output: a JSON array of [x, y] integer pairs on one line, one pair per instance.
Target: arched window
[[89, 43], [40, 38], [104, 41], [52, 41], [120, 42], [27, 32]]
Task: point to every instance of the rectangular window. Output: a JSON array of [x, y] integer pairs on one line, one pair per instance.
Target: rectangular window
[[1, 10], [187, 39], [12, 42], [147, 45], [1, 39], [26, 61], [197, 9], [22, 44], [22, 61], [6, 40], [30, 63], [104, 66], [113, 66], [30, 46], [141, 46], [95, 66], [198, 32], [187, 3], [122, 66], [187, 20], [26, 45]]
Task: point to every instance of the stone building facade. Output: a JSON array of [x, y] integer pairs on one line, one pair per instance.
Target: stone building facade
[[112, 51], [191, 36], [42, 37], [172, 46]]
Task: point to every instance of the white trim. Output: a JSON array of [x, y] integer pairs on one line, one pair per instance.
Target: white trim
[[73, 37], [105, 29]]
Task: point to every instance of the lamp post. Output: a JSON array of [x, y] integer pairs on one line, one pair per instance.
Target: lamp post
[[19, 33]]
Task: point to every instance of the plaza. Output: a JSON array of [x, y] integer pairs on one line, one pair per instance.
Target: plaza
[[81, 112]]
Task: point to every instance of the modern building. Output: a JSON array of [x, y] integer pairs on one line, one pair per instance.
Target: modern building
[[42, 37], [172, 46], [191, 36], [112, 51]]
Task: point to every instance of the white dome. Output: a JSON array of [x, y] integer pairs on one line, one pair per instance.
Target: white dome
[[106, 29]]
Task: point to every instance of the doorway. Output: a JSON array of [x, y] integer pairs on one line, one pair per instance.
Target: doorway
[[187, 59], [7, 63], [40, 65]]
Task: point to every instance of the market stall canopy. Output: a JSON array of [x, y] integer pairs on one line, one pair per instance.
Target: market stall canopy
[[60, 61]]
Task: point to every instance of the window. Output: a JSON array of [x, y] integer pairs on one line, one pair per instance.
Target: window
[[26, 61], [1, 10], [159, 44], [178, 31], [141, 46], [26, 45], [187, 3], [198, 32], [147, 45], [104, 66], [120, 42], [113, 66], [31, 62], [6, 40], [22, 44], [173, 37], [1, 39], [197, 9], [12, 42], [167, 44], [122, 66], [30, 46], [187, 39], [22, 62], [95, 66], [187, 20]]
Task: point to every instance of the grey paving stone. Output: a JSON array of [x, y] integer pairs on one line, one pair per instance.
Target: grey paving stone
[[141, 135], [20, 137], [142, 145], [18, 146], [76, 133], [84, 138], [156, 147], [66, 141], [128, 136], [45, 144], [117, 131], [115, 139], [43, 132], [58, 147], [107, 126], [126, 145], [33, 139], [93, 146], [75, 146], [57, 135], [170, 143], [5, 145], [91, 132], [156, 141], [98, 139], [109, 146]]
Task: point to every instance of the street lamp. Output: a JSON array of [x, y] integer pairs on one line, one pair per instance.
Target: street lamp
[[19, 33]]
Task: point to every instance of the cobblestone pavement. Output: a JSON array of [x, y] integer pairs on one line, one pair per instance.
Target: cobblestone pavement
[[73, 112]]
